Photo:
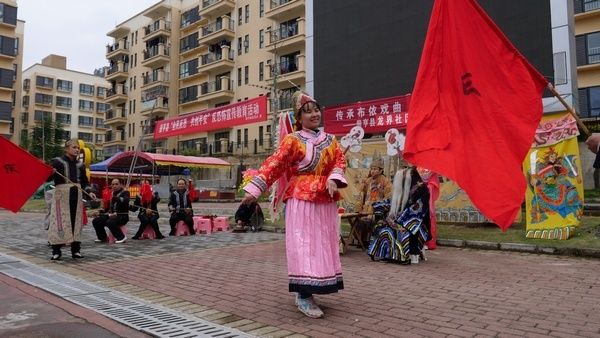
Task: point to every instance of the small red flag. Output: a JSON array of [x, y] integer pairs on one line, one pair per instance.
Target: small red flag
[[474, 109], [21, 174]]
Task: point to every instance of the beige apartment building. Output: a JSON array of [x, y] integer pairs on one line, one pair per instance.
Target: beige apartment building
[[72, 98], [11, 62], [587, 36], [182, 57]]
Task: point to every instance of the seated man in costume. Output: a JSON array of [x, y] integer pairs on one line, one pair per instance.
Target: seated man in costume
[[180, 206], [376, 188], [403, 236], [115, 215], [148, 213]]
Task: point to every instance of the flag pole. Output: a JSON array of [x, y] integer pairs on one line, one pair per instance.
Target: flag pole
[[570, 109]]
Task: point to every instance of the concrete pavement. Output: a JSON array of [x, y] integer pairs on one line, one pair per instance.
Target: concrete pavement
[[239, 280]]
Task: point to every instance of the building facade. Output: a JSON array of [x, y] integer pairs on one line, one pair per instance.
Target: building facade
[[587, 35], [182, 57], [11, 62], [74, 99]]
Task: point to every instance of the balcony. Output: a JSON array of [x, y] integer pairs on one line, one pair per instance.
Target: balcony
[[193, 47], [156, 56], [117, 95], [282, 10], [217, 31], [293, 71], [284, 40], [114, 140], [191, 24], [159, 77], [219, 90], [216, 62], [118, 72], [153, 108], [157, 29], [117, 49], [116, 116], [119, 32], [216, 8]]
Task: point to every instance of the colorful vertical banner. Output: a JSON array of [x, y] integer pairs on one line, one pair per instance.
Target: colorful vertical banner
[[554, 196]]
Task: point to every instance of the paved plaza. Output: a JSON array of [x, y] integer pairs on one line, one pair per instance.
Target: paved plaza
[[239, 280]]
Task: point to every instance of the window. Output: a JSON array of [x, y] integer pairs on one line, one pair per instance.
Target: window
[[86, 137], [239, 46], [246, 72], [588, 48], [247, 14], [100, 91], [239, 77], [261, 8], [287, 29], [64, 86], [64, 102], [189, 17], [85, 105], [44, 82], [589, 102], [100, 138], [63, 118], [188, 68], [43, 99], [6, 77], [86, 121], [9, 46], [8, 14], [86, 89], [188, 42], [100, 123], [246, 43], [25, 101], [102, 107], [261, 38], [261, 71], [188, 94], [240, 16], [245, 137], [260, 136], [239, 137], [40, 115], [26, 84]]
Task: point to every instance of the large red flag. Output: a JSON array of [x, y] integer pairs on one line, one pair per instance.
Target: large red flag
[[474, 109], [20, 175]]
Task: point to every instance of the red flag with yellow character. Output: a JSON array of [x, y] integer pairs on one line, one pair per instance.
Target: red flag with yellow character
[[21, 174], [474, 109]]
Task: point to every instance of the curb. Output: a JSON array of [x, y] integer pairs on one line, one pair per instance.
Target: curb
[[519, 247]]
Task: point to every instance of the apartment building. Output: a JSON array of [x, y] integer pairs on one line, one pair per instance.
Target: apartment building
[[72, 98], [11, 60], [587, 36], [183, 57]]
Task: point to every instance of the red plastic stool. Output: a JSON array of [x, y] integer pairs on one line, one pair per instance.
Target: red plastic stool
[[148, 233], [202, 224], [112, 239], [181, 229], [221, 224]]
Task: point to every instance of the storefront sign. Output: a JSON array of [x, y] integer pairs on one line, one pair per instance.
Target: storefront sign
[[375, 116], [249, 111]]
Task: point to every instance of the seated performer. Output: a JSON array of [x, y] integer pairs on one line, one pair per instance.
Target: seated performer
[[115, 215], [402, 238], [180, 206], [148, 214], [375, 188], [248, 215]]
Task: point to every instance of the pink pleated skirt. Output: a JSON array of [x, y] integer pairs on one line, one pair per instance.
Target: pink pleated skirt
[[312, 238]]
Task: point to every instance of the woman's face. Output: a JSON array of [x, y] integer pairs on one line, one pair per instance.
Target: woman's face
[[310, 116]]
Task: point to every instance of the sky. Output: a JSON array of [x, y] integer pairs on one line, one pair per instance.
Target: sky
[[73, 28]]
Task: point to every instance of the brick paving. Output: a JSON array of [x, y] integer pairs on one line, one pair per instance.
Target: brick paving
[[239, 280]]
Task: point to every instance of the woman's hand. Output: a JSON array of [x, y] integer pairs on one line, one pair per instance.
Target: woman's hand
[[248, 199], [331, 187]]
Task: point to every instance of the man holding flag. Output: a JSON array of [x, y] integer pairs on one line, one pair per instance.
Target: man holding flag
[[66, 208], [475, 108]]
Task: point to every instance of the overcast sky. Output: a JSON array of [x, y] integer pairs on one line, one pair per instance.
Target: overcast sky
[[73, 28]]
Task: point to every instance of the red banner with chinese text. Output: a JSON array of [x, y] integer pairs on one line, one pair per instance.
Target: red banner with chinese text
[[239, 113], [375, 116]]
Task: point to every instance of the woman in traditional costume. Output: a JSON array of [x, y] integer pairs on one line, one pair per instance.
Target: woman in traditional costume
[[313, 164], [402, 237]]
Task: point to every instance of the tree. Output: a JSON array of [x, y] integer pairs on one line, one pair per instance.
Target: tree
[[46, 139]]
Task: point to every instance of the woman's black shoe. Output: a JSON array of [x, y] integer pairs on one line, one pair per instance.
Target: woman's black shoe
[[55, 257]]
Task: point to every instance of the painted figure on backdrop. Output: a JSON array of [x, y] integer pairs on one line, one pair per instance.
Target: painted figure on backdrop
[[376, 187]]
